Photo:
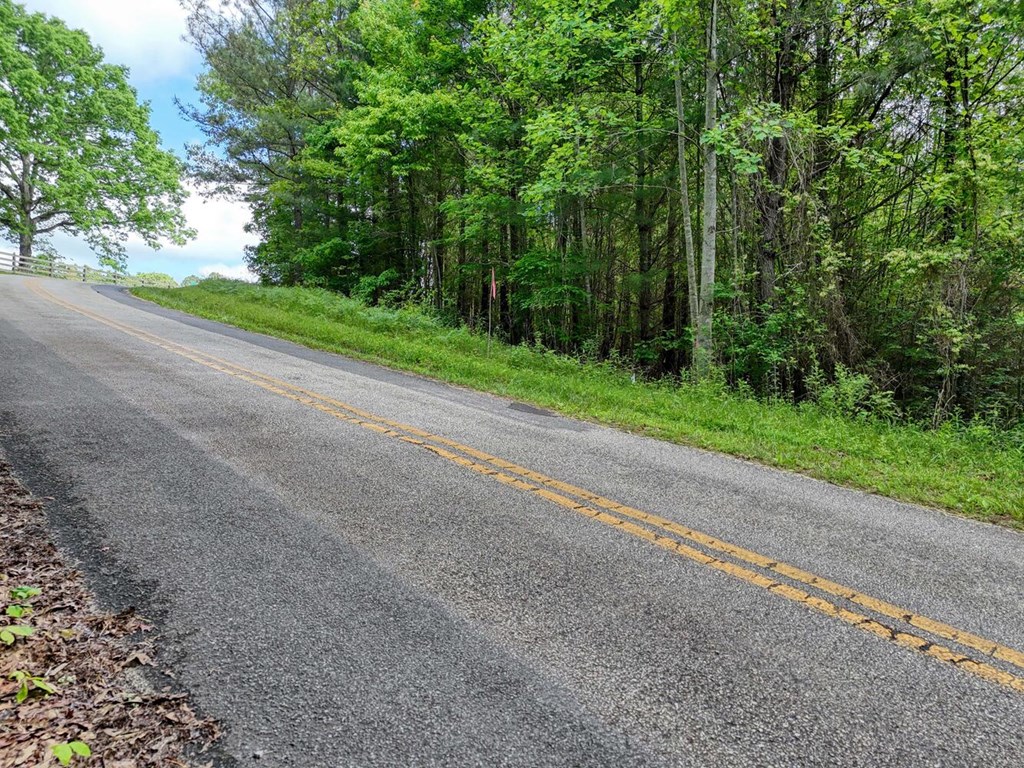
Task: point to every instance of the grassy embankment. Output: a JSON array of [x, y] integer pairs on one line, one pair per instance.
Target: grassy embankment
[[967, 471]]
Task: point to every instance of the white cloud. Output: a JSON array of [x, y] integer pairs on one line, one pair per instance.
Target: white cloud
[[220, 230], [144, 35], [234, 271], [220, 242]]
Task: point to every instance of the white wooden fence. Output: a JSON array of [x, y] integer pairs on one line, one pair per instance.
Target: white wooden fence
[[49, 266]]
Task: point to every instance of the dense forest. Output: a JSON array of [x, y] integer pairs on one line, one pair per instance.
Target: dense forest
[[785, 193]]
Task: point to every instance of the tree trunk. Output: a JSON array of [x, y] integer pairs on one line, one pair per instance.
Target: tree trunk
[[950, 125], [27, 235], [703, 340], [684, 189], [951, 226], [413, 248], [439, 255], [394, 250], [24, 249], [670, 304], [437, 243], [771, 220], [642, 212], [463, 300], [785, 79]]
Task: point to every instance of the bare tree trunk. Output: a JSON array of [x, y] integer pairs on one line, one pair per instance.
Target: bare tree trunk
[[684, 189], [671, 306], [704, 340], [439, 253], [464, 300], [24, 249], [771, 220], [27, 235], [951, 224], [642, 212]]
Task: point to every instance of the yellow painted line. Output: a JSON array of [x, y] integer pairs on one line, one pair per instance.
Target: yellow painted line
[[941, 629], [852, 618], [493, 467]]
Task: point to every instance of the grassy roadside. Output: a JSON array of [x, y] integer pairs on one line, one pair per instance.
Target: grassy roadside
[[967, 472]]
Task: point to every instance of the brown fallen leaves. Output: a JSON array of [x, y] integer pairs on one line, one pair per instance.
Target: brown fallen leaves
[[92, 660]]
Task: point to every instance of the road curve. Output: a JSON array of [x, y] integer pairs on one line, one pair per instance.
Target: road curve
[[352, 566]]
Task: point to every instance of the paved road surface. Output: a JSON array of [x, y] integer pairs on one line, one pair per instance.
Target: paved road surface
[[351, 566]]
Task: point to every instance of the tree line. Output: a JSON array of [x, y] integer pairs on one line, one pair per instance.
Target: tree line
[[785, 193]]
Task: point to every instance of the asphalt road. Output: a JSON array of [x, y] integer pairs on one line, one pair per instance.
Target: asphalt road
[[350, 566]]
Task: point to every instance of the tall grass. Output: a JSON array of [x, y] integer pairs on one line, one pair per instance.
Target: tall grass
[[972, 472]]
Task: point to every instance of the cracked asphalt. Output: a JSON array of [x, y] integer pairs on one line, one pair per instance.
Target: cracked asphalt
[[338, 596]]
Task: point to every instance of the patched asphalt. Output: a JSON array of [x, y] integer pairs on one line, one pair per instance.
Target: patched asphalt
[[339, 597]]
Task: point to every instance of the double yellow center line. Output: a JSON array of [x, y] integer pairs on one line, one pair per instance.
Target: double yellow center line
[[781, 579]]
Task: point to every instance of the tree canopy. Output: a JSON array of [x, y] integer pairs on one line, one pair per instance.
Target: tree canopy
[[77, 153], [821, 195]]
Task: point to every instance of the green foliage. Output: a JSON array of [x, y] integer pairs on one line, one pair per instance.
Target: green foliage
[[24, 593], [67, 751], [28, 682], [156, 279], [20, 607], [965, 468], [869, 238], [11, 632], [851, 395], [372, 288], [78, 154]]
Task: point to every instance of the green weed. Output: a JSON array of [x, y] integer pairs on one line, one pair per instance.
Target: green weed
[[27, 682], [20, 607], [24, 593], [11, 632], [67, 751]]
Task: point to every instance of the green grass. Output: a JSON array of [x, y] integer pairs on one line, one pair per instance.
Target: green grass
[[967, 471]]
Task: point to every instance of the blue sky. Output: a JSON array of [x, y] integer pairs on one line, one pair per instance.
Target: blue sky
[[146, 36]]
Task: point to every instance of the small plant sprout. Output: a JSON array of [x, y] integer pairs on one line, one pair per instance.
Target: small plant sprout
[[11, 632], [22, 594], [20, 605], [67, 751], [27, 681]]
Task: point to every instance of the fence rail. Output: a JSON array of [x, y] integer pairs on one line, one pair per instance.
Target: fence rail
[[55, 266]]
